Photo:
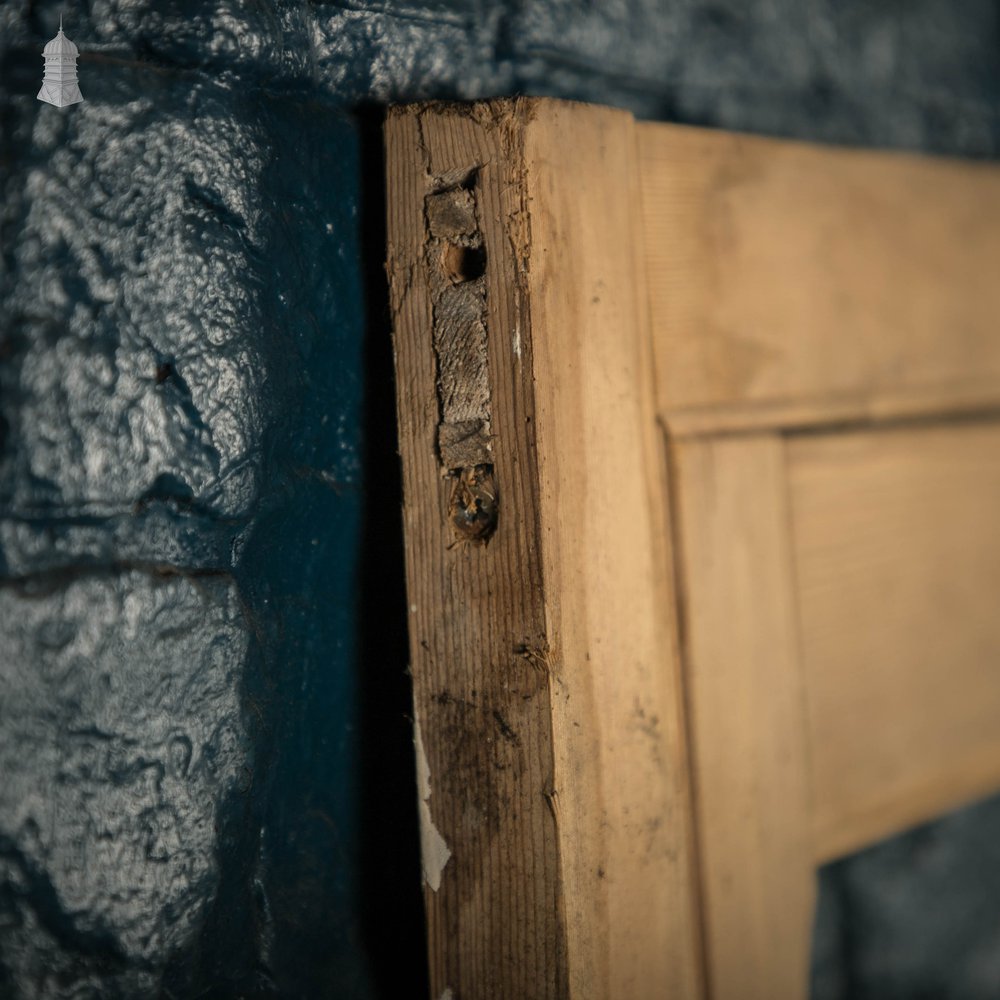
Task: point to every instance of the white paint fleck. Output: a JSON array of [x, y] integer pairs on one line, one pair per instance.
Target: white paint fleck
[[413, 609], [446, 994], [517, 341], [434, 852]]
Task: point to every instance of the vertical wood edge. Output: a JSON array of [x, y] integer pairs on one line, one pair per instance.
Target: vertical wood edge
[[477, 624], [747, 715], [621, 777]]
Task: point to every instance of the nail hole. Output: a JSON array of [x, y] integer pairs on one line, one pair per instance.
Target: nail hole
[[464, 263]]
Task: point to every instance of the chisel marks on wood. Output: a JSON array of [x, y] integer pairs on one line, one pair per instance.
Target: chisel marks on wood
[[467, 437], [456, 269]]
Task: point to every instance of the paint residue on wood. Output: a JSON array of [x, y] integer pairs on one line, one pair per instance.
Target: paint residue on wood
[[434, 852]]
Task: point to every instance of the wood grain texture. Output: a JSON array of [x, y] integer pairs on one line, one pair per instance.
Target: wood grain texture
[[662, 671], [620, 753], [477, 616], [545, 667], [897, 551], [793, 284], [747, 720]]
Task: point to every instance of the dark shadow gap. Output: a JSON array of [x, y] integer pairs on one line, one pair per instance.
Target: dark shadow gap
[[392, 916]]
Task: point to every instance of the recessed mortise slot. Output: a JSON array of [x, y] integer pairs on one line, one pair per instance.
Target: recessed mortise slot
[[455, 257]]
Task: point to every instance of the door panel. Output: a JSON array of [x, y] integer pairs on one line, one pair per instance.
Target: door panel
[[897, 563], [702, 553]]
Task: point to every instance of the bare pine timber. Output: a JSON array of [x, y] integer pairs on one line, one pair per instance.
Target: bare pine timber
[[800, 285], [621, 761], [746, 705], [699, 436], [897, 553], [547, 702]]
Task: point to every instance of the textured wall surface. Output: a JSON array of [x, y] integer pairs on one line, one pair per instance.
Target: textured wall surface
[[206, 783]]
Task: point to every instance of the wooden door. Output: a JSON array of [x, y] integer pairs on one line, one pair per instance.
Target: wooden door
[[701, 448]]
